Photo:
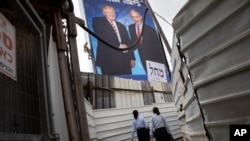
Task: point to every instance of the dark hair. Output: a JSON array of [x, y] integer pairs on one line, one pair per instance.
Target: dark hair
[[156, 111], [135, 113]]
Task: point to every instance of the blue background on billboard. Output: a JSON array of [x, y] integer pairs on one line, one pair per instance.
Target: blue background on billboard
[[93, 9]]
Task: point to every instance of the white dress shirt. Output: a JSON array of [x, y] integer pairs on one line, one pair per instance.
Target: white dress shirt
[[158, 121], [138, 124]]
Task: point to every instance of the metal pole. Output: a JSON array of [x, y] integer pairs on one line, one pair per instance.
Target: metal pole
[[76, 75], [64, 72]]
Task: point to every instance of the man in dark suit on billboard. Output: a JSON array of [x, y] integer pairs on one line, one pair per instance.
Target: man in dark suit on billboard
[[149, 46], [111, 61]]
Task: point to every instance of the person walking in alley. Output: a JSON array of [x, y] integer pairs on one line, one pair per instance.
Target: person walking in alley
[[160, 127], [139, 125]]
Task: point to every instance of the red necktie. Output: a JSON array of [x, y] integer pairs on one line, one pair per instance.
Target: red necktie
[[139, 33]]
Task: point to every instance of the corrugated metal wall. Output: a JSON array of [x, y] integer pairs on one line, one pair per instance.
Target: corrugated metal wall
[[113, 92], [190, 116], [213, 51], [115, 124]]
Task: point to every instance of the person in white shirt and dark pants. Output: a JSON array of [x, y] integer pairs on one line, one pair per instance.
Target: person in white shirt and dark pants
[[160, 127], [139, 125]]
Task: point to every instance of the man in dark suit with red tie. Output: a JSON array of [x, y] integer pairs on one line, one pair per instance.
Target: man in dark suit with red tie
[[111, 61], [149, 46]]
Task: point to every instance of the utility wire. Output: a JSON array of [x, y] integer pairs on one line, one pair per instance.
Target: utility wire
[[158, 15], [162, 18]]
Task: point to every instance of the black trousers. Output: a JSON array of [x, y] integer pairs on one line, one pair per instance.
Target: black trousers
[[143, 134], [161, 134]]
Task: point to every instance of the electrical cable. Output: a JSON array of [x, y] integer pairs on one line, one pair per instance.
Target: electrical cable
[[162, 18], [158, 15]]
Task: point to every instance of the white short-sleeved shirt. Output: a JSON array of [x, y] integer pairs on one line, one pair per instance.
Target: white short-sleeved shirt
[[137, 124], [158, 121]]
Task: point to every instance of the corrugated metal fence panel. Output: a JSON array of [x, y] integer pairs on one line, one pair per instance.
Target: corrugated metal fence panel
[[128, 94], [91, 122], [148, 97], [215, 42], [168, 95], [112, 93], [122, 93], [105, 91], [189, 114], [98, 93], [115, 124], [128, 98], [106, 94], [136, 97], [159, 98]]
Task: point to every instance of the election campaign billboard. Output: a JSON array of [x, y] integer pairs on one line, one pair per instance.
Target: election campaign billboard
[[119, 25]]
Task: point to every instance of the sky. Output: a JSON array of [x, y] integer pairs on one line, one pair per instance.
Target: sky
[[167, 9]]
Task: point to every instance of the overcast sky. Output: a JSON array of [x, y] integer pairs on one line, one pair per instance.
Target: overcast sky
[[165, 8]]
